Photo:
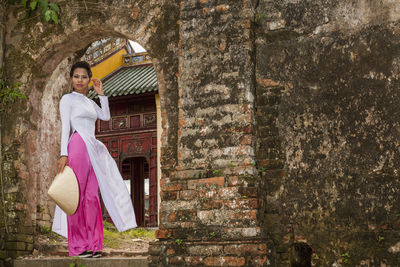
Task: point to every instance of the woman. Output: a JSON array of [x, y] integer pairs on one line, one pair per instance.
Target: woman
[[93, 167]]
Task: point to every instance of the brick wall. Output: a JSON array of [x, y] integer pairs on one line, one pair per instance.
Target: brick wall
[[209, 204], [279, 124]]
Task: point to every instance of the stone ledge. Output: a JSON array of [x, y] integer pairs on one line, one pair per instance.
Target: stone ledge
[[105, 253], [102, 262], [210, 253]]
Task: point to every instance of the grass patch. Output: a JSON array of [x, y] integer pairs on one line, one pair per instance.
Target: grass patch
[[52, 237], [114, 239], [111, 237]]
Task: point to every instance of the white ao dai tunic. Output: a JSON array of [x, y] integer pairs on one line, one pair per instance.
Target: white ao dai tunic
[[79, 113]]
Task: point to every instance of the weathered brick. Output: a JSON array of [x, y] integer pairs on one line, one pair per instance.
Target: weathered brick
[[243, 215], [222, 8], [246, 140], [257, 261], [210, 193], [165, 196], [154, 259], [15, 246], [205, 11], [20, 206], [194, 260], [181, 122], [242, 204], [176, 260], [172, 217], [187, 194], [206, 250], [182, 215], [211, 204], [17, 253], [228, 192], [268, 82], [172, 186], [163, 233], [242, 232], [29, 247], [26, 230], [205, 215], [243, 249], [188, 225], [250, 232], [224, 261], [154, 250], [20, 237], [192, 184], [235, 180], [248, 191]]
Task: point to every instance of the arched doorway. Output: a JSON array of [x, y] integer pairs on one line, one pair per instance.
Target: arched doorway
[[45, 76], [130, 82]]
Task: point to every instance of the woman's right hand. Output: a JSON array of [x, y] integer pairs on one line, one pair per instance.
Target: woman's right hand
[[62, 162]]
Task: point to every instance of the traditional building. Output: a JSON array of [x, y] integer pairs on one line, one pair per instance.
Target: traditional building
[[130, 135]]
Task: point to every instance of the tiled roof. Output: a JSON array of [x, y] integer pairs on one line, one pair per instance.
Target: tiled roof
[[129, 81]]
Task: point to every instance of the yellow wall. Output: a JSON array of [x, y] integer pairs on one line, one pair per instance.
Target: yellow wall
[[109, 65]]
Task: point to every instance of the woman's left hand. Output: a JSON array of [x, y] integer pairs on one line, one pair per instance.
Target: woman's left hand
[[98, 86]]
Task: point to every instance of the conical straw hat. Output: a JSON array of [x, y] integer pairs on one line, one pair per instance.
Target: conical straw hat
[[65, 191]]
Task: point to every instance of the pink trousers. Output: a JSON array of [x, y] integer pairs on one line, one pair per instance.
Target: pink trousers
[[85, 227]]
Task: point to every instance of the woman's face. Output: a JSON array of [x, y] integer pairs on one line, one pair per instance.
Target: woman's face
[[80, 79]]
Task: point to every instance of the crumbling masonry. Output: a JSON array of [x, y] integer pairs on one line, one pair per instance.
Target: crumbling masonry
[[280, 142]]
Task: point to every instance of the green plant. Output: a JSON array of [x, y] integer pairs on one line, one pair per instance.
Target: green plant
[[244, 175], [179, 242], [9, 93], [48, 9], [380, 238], [39, 208], [212, 234], [260, 18], [217, 172], [231, 164], [45, 229], [346, 257]]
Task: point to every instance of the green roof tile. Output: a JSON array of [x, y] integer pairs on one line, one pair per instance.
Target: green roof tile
[[129, 81]]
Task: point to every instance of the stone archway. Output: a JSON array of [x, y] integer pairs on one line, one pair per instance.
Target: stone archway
[[48, 132], [202, 53], [43, 72]]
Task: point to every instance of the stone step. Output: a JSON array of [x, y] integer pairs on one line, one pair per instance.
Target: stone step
[[106, 253], [138, 261]]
